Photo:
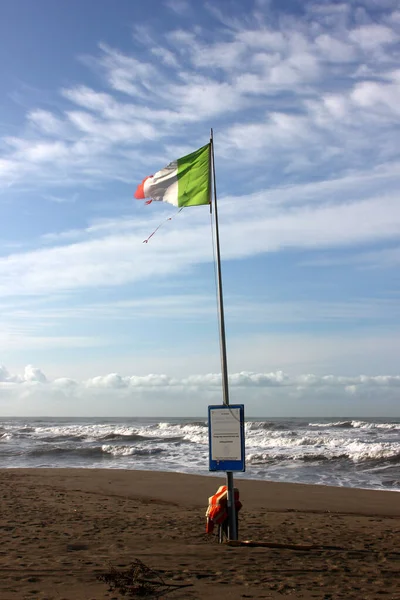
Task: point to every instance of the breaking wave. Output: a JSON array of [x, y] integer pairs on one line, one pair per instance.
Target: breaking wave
[[129, 451], [128, 437], [379, 454], [96, 451], [265, 425], [351, 452], [356, 425], [54, 451], [62, 438]]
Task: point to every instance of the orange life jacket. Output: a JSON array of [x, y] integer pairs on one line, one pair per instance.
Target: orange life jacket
[[217, 511]]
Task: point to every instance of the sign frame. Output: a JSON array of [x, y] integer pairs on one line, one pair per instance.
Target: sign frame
[[226, 464]]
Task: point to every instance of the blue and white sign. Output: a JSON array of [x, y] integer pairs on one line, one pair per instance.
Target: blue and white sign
[[226, 437]]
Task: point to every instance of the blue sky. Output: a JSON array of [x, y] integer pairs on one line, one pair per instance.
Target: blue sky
[[304, 100]]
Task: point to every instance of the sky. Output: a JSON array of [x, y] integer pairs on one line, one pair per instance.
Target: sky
[[304, 100]]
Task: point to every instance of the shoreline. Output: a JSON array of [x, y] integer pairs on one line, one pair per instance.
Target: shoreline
[[238, 477], [61, 528]]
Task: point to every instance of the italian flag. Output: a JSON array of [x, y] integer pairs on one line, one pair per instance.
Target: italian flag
[[184, 182]]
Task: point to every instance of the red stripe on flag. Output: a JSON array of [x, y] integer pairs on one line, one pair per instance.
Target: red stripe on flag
[[139, 194]]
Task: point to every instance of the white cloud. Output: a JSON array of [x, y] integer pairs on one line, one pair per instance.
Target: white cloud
[[180, 7], [4, 374], [47, 122], [358, 209], [222, 55], [198, 308], [126, 73], [201, 98], [65, 199], [31, 374], [379, 95], [335, 50], [166, 56], [8, 171], [112, 132], [263, 38], [114, 111], [244, 379], [373, 36], [296, 76], [33, 393]]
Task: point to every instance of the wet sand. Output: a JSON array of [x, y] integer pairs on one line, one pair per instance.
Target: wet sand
[[61, 528]]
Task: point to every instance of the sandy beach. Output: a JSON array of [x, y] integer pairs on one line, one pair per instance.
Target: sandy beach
[[61, 528]]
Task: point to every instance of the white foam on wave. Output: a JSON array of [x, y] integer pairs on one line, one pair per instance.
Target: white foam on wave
[[263, 425], [365, 425], [258, 458], [196, 432], [130, 450], [313, 449], [335, 425], [82, 431], [384, 450], [356, 425]]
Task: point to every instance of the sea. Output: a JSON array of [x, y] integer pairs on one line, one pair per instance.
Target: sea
[[358, 453]]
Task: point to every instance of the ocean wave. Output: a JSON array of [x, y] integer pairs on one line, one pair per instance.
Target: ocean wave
[[385, 426], [291, 440], [165, 426], [355, 452], [383, 456], [65, 451], [356, 425], [83, 432], [130, 451], [105, 451], [195, 432], [342, 451], [264, 425], [335, 425], [391, 483], [118, 433], [128, 437], [62, 438], [276, 457], [135, 437]]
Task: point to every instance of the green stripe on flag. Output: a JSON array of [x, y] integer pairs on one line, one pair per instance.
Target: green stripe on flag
[[194, 178]]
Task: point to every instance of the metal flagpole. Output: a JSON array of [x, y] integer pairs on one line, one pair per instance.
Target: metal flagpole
[[233, 534]]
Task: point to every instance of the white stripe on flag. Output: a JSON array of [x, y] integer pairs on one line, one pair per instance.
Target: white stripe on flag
[[164, 185]]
